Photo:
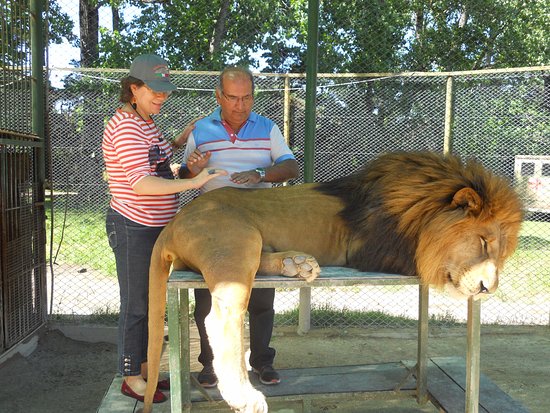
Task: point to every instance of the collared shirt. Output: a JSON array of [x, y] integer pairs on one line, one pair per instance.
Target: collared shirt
[[258, 144]]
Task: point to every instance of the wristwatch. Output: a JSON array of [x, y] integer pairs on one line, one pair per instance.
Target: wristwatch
[[261, 172]]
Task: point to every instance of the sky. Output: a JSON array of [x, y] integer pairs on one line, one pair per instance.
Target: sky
[[61, 55]]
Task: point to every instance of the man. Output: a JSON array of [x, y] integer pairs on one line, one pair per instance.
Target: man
[[253, 151]]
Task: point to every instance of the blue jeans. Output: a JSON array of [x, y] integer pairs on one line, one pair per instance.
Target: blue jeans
[[132, 244]]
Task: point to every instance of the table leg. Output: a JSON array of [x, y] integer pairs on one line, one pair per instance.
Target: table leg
[[304, 311], [473, 355], [422, 356], [179, 360]]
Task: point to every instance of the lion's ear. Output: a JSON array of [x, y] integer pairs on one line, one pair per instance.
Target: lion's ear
[[468, 199]]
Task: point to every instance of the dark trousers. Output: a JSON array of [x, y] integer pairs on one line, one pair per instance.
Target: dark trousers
[[132, 244], [261, 316]]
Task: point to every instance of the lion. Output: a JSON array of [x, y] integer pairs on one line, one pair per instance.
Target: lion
[[422, 214]]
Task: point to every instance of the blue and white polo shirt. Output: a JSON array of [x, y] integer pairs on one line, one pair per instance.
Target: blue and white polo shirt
[[258, 144]]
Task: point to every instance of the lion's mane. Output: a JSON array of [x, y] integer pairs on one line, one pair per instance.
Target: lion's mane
[[400, 206]]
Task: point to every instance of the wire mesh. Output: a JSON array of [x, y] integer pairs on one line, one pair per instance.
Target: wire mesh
[[22, 237], [15, 99], [359, 117], [497, 116]]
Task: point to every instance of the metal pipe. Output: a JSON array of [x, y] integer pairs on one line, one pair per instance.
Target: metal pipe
[[311, 87], [38, 96], [286, 109], [304, 312], [449, 116]]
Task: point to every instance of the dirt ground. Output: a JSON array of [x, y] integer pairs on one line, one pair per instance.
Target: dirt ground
[[66, 375]]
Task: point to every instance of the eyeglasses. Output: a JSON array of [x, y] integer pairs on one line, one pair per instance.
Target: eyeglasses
[[234, 99]]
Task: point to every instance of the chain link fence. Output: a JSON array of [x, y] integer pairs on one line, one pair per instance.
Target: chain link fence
[[396, 101], [498, 115]]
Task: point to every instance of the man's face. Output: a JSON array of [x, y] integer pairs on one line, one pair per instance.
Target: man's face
[[236, 100]]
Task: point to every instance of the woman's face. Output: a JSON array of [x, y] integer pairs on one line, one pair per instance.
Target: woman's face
[[148, 101]]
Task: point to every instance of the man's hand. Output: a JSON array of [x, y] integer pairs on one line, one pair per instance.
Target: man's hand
[[246, 177], [280, 172], [197, 161]]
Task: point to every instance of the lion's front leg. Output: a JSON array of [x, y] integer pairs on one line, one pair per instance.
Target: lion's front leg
[[289, 264], [225, 329]]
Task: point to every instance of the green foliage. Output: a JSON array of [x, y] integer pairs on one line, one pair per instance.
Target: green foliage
[[15, 38], [499, 118], [60, 24], [475, 34], [354, 36], [362, 36]]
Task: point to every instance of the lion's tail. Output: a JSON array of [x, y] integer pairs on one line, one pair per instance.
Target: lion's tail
[[158, 278]]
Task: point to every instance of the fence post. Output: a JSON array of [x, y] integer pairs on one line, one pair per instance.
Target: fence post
[[286, 109], [38, 98], [304, 311], [449, 116]]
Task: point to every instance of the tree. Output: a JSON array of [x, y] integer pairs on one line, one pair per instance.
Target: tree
[[15, 39], [355, 35], [476, 34], [89, 32]]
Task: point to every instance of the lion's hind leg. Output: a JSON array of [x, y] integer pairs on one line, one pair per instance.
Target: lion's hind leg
[[290, 264], [229, 270], [225, 329]]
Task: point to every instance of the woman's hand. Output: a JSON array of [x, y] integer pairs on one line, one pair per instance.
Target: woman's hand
[[207, 174]]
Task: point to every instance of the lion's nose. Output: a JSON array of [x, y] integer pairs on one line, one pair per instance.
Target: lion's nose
[[482, 288]]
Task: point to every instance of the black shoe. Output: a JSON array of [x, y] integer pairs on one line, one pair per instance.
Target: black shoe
[[268, 375], [207, 378]]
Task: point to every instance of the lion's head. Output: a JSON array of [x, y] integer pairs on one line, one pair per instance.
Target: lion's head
[[451, 223]]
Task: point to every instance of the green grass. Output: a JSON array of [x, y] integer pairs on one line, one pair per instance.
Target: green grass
[[79, 239], [528, 269], [107, 316], [536, 228], [326, 315]]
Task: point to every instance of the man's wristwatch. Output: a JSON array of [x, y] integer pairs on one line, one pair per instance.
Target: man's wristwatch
[[261, 172]]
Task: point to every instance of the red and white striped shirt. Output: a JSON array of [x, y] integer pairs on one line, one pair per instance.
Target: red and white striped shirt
[[133, 149]]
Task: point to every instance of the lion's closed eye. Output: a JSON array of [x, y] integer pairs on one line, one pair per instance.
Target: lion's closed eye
[[484, 245]]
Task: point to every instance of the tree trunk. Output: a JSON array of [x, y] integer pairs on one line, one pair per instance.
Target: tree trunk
[[89, 32], [219, 29], [116, 19], [463, 18], [419, 37], [419, 24]]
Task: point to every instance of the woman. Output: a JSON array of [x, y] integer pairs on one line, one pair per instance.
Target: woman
[[143, 200]]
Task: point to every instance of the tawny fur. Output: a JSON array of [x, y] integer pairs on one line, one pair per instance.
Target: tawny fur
[[418, 214]]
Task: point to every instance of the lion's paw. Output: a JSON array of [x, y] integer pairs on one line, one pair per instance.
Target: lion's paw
[[255, 404], [252, 401], [302, 266]]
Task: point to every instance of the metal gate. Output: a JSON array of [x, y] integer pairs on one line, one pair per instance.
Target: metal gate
[[22, 217]]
